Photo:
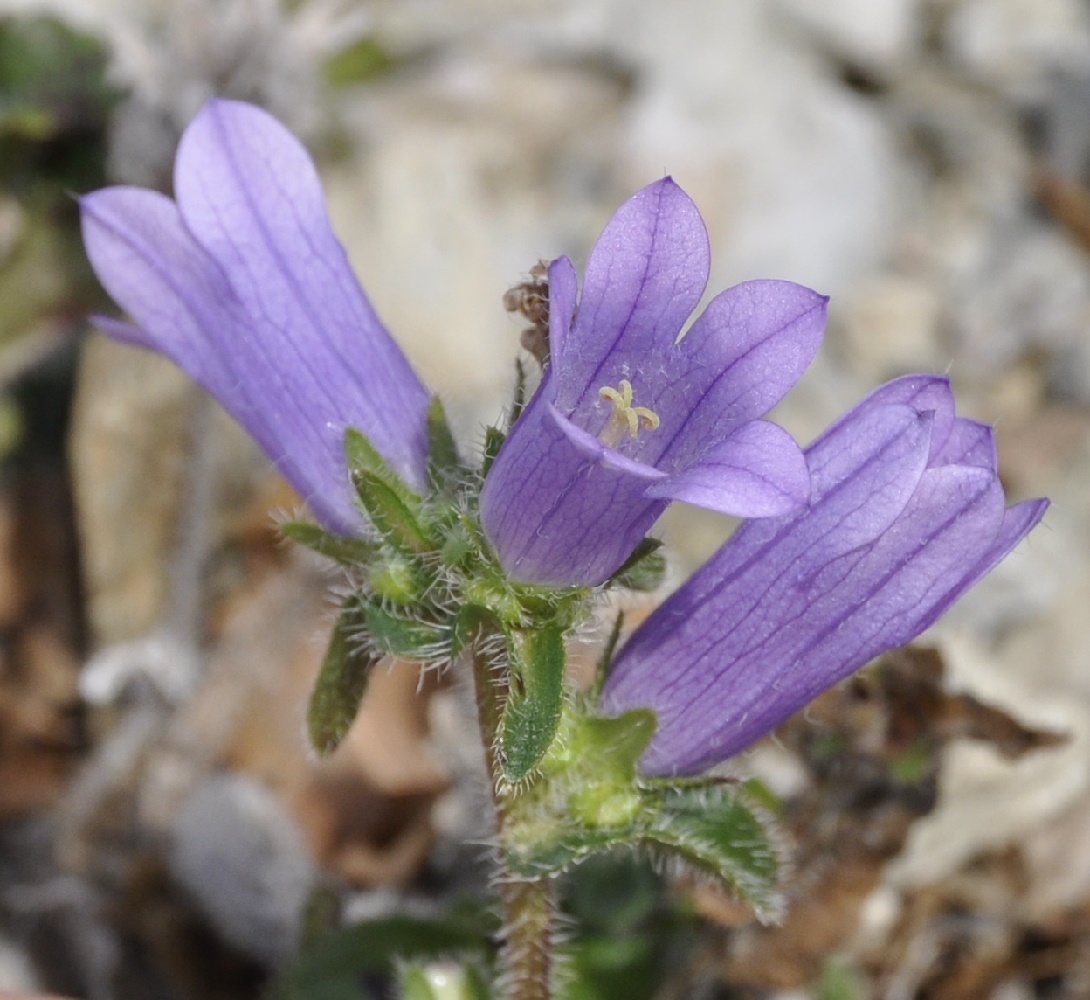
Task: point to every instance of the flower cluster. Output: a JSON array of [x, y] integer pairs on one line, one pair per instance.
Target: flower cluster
[[853, 546]]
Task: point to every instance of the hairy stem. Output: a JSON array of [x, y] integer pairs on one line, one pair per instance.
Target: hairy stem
[[526, 955]]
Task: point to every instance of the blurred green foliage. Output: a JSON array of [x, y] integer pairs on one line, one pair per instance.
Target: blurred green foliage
[[360, 62], [54, 104]]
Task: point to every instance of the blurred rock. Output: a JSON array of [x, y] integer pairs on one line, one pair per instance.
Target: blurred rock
[[240, 855], [797, 176], [1016, 44], [876, 35]]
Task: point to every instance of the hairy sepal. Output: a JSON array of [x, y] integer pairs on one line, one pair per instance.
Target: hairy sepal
[[390, 505], [443, 463], [348, 550], [398, 634], [592, 798]]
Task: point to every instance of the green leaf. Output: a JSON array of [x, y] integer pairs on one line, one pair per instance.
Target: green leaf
[[362, 60], [605, 661], [568, 844], [345, 549], [440, 981], [414, 984], [643, 570], [442, 451], [840, 980], [390, 504], [493, 441], [535, 698], [333, 968], [342, 681], [361, 456], [716, 833], [398, 635], [391, 516], [592, 771]]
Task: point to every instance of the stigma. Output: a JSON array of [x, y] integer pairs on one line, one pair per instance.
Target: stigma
[[625, 416]]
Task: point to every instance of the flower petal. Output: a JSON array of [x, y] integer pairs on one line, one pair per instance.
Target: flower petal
[[720, 609], [643, 279], [251, 198], [1018, 521], [563, 291], [758, 471], [561, 508], [921, 392], [744, 352], [831, 618], [969, 443], [245, 287], [145, 259]]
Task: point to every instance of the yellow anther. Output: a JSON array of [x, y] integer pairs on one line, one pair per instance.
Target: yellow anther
[[625, 416]]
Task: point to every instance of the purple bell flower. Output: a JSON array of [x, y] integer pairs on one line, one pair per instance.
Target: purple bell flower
[[630, 416], [906, 514], [241, 282]]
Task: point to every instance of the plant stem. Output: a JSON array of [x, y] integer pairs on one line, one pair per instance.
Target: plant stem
[[528, 907]]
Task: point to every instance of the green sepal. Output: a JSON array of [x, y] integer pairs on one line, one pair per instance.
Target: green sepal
[[345, 549], [336, 965], [535, 698], [342, 681], [716, 832], [361, 456], [518, 404], [644, 570], [412, 983], [399, 579], [595, 799], [592, 770], [397, 635], [442, 451], [468, 622], [553, 855], [388, 502], [605, 661], [611, 746], [493, 441]]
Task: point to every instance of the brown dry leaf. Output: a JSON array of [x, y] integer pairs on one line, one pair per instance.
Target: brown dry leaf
[[1066, 200], [960, 939], [39, 663]]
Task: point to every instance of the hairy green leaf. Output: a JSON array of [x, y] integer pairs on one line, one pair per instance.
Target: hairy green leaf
[[442, 451], [342, 681], [716, 832], [345, 549], [535, 698], [401, 636]]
